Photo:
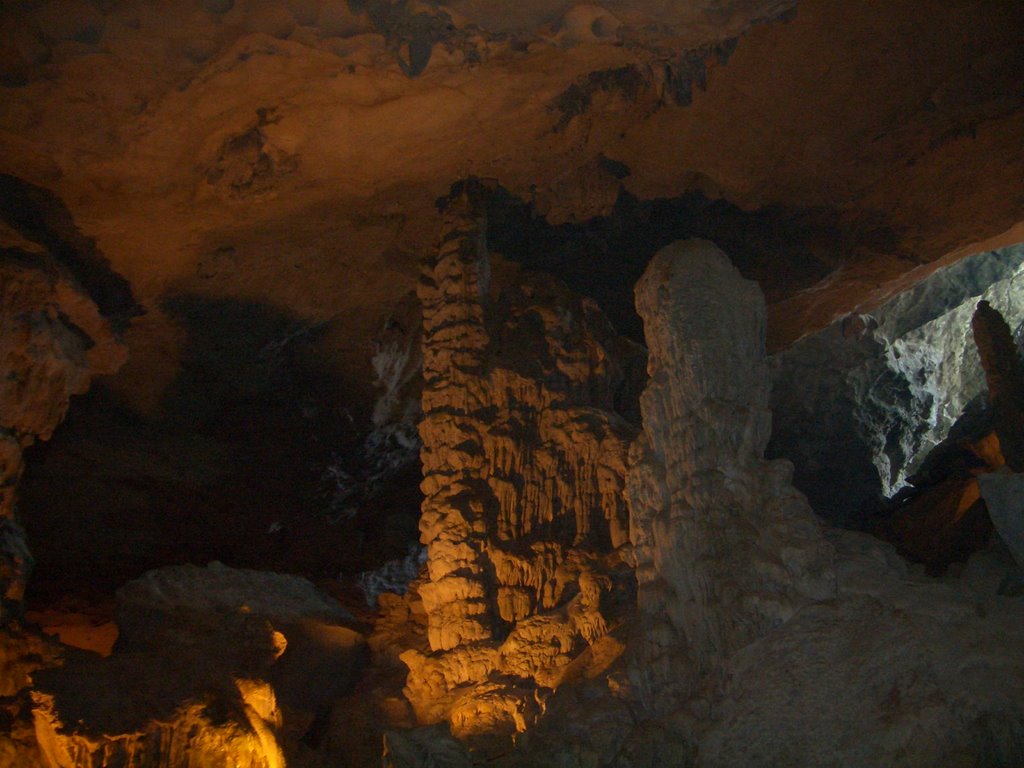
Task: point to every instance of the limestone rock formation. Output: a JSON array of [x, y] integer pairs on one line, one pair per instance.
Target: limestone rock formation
[[726, 549], [524, 465], [1004, 375], [53, 339], [61, 312], [213, 666], [900, 670], [859, 405], [1003, 493]]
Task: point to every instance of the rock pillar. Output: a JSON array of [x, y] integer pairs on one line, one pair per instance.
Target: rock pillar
[[524, 466], [726, 549]]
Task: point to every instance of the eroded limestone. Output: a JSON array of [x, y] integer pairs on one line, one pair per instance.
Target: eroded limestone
[[524, 465], [726, 549]]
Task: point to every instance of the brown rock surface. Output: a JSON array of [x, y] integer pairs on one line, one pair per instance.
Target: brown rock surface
[[53, 339], [524, 464], [179, 133], [58, 329]]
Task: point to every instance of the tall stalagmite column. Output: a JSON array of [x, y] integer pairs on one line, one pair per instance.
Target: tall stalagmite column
[[523, 474], [453, 291], [725, 547]]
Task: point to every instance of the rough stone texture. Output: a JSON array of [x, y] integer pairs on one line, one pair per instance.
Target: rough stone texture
[[940, 524], [52, 341], [726, 549], [421, 747], [213, 666], [1004, 375], [858, 406], [1003, 493], [901, 670], [524, 464], [228, 729]]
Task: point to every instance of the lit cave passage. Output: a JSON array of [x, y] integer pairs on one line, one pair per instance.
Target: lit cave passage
[[611, 384]]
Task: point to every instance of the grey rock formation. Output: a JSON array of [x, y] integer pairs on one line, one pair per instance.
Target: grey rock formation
[[858, 405], [1003, 493], [900, 670], [726, 549]]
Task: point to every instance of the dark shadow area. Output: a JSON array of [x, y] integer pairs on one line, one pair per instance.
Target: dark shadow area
[[238, 469], [785, 250], [38, 215]]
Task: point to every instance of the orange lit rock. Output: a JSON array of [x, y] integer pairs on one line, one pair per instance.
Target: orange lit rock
[[213, 666], [235, 729], [524, 464], [726, 549]]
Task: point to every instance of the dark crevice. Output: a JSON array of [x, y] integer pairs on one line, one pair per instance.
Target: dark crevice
[[38, 215], [784, 249]]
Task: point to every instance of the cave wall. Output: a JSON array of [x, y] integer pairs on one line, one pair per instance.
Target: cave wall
[[860, 404], [61, 313]]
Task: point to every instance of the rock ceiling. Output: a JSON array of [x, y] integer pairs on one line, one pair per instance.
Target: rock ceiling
[[289, 153]]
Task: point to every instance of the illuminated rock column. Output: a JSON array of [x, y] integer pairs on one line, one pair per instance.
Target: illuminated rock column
[[524, 469], [453, 290]]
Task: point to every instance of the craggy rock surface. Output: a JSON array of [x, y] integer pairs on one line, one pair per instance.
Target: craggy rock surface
[[858, 406], [1003, 493], [524, 465], [53, 339], [62, 310], [726, 549], [901, 670], [894, 668], [212, 665]]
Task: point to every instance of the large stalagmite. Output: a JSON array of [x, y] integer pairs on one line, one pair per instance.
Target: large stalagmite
[[726, 549], [524, 464]]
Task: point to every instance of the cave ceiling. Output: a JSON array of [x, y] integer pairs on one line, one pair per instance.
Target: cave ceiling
[[291, 153]]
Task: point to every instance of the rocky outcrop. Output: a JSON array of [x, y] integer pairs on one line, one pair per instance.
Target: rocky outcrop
[[726, 549], [858, 406], [213, 666], [61, 310], [1003, 493], [1003, 490], [524, 465], [1004, 375], [900, 670]]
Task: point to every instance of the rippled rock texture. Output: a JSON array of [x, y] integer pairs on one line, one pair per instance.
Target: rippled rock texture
[[524, 462], [726, 549]]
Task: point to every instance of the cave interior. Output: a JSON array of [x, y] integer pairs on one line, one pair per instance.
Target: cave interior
[[612, 384]]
